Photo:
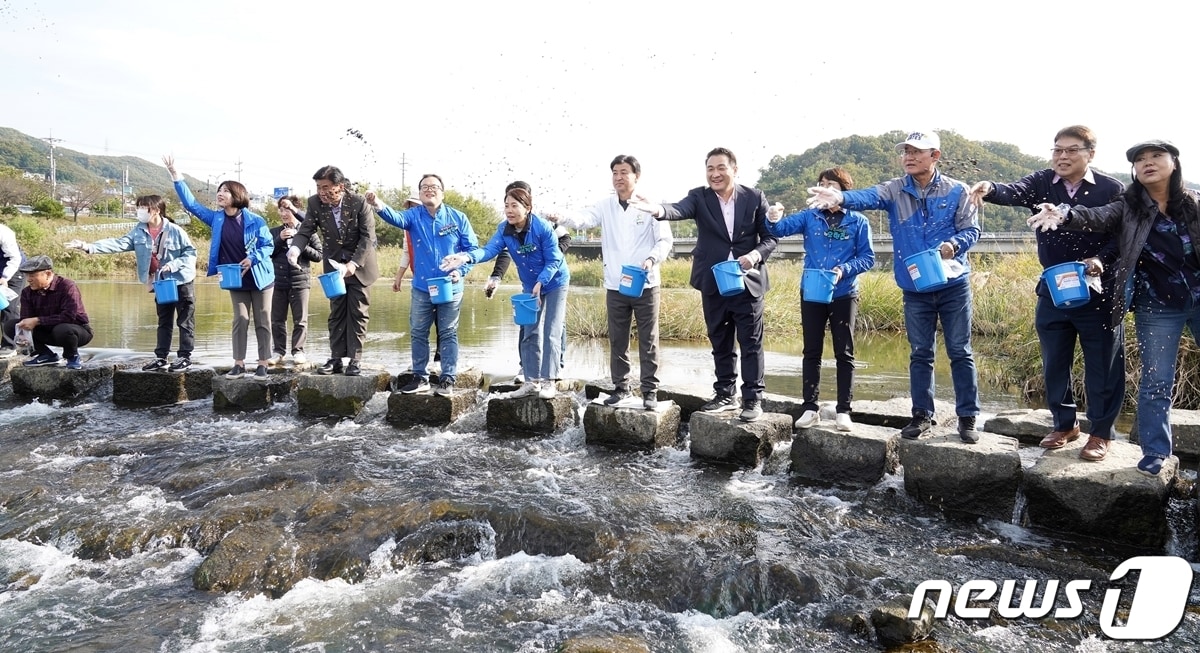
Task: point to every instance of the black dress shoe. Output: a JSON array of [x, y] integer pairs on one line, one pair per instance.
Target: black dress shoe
[[352, 369], [332, 366]]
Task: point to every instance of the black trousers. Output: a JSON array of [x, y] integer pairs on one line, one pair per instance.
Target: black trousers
[[736, 319], [348, 317], [839, 315], [68, 336], [183, 314]]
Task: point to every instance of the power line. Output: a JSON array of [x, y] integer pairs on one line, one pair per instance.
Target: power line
[[53, 168]]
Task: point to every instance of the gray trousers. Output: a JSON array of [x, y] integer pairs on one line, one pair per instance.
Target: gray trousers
[[245, 301], [622, 310], [295, 299]]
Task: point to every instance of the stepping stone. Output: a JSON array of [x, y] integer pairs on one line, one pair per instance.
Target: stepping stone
[[137, 388], [629, 426], [1108, 500], [723, 438], [977, 479], [249, 393], [859, 457], [338, 395], [408, 410], [529, 415], [1028, 426], [465, 379], [48, 383]]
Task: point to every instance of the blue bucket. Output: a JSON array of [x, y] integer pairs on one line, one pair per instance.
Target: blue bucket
[[231, 276], [3, 302], [633, 281], [333, 284], [525, 309], [1066, 283], [817, 286], [441, 290], [729, 277], [166, 291], [925, 269]]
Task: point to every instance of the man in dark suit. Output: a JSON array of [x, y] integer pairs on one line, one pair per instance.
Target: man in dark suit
[[731, 222], [348, 237]]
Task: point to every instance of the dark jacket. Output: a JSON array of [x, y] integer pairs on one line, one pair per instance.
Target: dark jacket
[[713, 243], [58, 303], [355, 241], [287, 275], [1122, 220]]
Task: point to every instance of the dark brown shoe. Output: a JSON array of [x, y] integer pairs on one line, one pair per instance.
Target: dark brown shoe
[[1095, 450], [1059, 439]]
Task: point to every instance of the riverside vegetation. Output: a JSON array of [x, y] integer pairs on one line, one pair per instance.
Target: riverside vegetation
[[1007, 351]]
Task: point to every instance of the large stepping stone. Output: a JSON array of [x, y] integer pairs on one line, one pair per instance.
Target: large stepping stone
[[48, 383], [977, 479], [338, 395], [1029, 426], [250, 393], [723, 438], [465, 379], [529, 415], [897, 412], [860, 457], [137, 388], [427, 408], [629, 426], [1108, 500]]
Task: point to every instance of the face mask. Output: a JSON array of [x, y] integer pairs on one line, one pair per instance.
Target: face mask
[[143, 216]]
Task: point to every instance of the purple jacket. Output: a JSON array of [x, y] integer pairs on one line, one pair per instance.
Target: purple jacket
[[59, 303]]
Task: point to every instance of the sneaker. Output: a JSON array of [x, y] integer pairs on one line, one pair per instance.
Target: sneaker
[[49, 358], [549, 390], [526, 389], [843, 422], [156, 365], [331, 366], [299, 359], [808, 419], [276, 360], [73, 363], [180, 364], [650, 400], [352, 369], [236, 372], [1150, 465], [966, 429], [417, 384], [719, 404], [518, 379], [260, 373], [7, 352], [445, 387], [751, 410], [918, 426], [618, 395]]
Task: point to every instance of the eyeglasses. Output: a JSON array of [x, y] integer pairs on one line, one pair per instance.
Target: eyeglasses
[[430, 187], [1070, 151]]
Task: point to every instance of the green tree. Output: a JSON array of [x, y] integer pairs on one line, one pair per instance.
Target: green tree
[[48, 208]]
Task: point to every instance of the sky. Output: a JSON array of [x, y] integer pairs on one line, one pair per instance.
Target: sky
[[483, 93]]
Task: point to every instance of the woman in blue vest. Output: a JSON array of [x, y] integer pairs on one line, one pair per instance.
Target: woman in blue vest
[[239, 237], [163, 251], [533, 245]]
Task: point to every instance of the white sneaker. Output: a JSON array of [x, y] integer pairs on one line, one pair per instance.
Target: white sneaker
[[299, 359], [526, 389], [843, 422], [276, 361], [549, 390], [809, 419]]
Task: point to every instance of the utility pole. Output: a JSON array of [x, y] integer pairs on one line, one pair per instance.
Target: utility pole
[[239, 169], [403, 169], [53, 169]]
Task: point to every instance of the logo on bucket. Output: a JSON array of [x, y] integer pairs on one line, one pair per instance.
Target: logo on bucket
[[1152, 611], [1066, 280], [626, 280], [913, 271]]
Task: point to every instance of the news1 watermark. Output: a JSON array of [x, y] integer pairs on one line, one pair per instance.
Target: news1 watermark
[[1159, 601]]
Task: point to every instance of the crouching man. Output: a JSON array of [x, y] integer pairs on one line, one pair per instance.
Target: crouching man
[[52, 312]]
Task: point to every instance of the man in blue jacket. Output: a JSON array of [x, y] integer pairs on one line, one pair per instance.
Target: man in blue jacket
[[927, 211], [1070, 180]]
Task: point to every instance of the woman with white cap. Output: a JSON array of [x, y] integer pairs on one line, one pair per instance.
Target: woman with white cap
[[1157, 224]]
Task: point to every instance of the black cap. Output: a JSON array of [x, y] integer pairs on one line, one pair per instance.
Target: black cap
[[37, 264], [1166, 146]]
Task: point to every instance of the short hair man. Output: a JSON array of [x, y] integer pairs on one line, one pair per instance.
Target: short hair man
[[347, 243], [627, 237], [437, 232], [927, 210], [52, 312], [1070, 180], [731, 224]]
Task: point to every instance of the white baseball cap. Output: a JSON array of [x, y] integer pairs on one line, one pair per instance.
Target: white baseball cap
[[921, 141]]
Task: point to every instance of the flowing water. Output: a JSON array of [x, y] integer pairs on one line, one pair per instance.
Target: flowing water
[[553, 539]]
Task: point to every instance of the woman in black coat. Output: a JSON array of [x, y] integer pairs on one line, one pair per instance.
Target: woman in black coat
[[292, 283]]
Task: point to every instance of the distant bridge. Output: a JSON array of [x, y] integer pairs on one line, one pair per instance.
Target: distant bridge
[[1015, 242]]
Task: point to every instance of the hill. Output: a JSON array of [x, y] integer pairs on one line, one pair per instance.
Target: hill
[[872, 159]]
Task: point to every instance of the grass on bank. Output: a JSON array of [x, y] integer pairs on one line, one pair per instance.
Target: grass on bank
[[1007, 350]]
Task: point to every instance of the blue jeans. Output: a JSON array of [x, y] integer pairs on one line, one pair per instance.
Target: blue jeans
[[922, 311], [1103, 350], [541, 342], [1158, 333], [420, 319]]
